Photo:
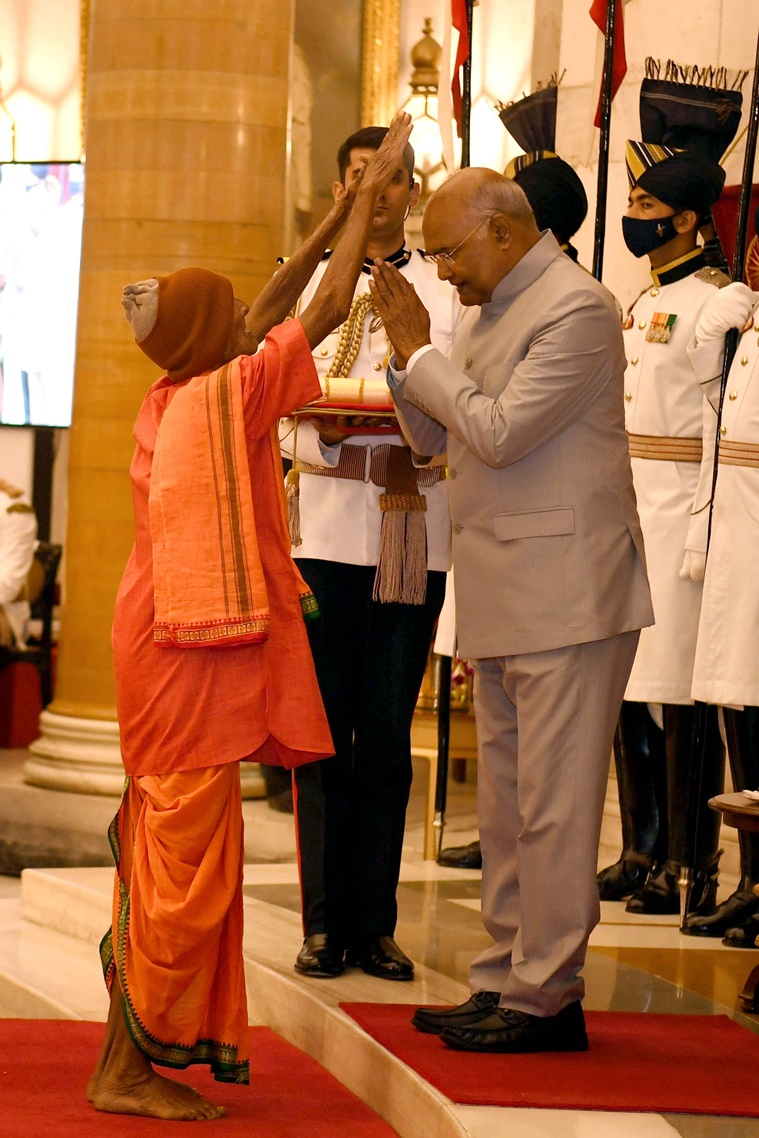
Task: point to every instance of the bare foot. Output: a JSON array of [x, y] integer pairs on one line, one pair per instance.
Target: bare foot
[[172, 1087], [124, 1081], [155, 1097]]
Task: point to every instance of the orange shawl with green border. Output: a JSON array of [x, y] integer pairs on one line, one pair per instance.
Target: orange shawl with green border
[[208, 578]]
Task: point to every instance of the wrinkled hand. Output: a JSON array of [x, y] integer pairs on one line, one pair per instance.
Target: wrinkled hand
[[381, 167], [730, 307], [330, 428], [693, 567], [345, 197], [406, 320]]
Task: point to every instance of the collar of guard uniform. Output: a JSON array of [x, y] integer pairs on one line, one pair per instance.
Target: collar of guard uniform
[[399, 258], [677, 270]]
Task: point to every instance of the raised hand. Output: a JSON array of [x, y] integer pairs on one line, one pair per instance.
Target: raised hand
[[381, 167]]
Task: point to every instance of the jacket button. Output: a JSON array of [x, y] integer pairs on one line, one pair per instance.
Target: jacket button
[[654, 292], [733, 395], [722, 432], [642, 324], [634, 360], [456, 527], [628, 396], [744, 361], [325, 351], [377, 366]]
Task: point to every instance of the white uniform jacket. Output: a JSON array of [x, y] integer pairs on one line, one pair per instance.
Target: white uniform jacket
[[726, 669], [18, 536], [340, 519], [663, 399], [547, 545]]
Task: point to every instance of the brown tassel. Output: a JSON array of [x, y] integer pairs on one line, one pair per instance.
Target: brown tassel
[[401, 575], [292, 495]]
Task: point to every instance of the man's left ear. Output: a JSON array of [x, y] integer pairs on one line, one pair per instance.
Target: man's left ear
[[684, 220], [501, 228]]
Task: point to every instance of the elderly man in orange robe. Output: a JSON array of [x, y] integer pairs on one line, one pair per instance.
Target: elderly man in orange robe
[[211, 653]]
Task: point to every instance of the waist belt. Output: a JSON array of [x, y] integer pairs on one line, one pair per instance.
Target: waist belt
[[739, 454], [353, 464], [665, 449]]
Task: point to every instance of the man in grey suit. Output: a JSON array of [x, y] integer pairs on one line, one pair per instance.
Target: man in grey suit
[[551, 586]]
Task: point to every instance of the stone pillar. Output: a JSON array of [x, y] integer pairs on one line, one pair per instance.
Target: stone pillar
[[186, 144]]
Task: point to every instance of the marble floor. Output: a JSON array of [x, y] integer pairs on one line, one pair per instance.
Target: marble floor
[[51, 920]]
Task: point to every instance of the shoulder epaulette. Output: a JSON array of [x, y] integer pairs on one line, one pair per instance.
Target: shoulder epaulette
[[713, 276], [20, 508], [11, 490]]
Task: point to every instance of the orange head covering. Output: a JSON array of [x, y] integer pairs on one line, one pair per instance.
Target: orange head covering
[[193, 320]]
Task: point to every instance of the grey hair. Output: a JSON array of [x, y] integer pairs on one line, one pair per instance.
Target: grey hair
[[502, 195], [483, 192]]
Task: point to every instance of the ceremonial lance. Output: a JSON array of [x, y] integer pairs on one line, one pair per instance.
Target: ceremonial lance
[[604, 121], [444, 690]]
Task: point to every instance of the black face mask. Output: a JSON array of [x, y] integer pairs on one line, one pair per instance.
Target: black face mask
[[644, 235]]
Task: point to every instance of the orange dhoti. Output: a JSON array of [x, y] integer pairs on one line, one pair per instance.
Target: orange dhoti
[[176, 938]]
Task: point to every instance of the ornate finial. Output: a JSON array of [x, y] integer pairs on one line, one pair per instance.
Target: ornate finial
[[425, 57]]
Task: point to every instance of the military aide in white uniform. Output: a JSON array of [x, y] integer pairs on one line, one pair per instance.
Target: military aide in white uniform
[[18, 535], [726, 669], [370, 655], [665, 414]]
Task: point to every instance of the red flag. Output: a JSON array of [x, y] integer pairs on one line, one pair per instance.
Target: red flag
[[458, 16], [598, 10]]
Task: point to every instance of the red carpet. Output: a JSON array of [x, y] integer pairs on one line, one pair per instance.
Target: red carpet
[[637, 1062], [45, 1065]]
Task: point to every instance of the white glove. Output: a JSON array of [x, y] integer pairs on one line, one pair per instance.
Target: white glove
[[693, 567], [730, 307]]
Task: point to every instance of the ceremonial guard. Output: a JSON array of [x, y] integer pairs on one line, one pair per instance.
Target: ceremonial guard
[[675, 178], [554, 190], [726, 669], [557, 198], [18, 536], [370, 653]]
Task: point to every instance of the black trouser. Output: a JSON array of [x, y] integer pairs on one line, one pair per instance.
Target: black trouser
[[351, 809]]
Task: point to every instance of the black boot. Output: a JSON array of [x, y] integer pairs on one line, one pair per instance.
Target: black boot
[[745, 935], [729, 918], [640, 765], [661, 893]]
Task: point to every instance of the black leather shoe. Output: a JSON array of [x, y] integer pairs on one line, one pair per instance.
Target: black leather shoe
[[744, 935], [507, 1030], [660, 894], [433, 1021], [733, 911], [320, 957], [618, 881], [382, 958], [461, 857]]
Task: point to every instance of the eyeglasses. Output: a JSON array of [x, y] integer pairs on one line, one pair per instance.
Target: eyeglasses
[[449, 258]]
